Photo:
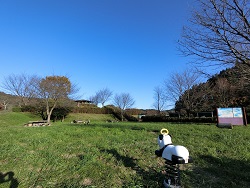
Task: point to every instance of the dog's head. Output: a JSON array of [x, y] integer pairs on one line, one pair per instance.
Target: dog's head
[[164, 139]]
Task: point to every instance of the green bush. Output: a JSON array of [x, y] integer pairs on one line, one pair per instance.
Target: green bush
[[90, 110], [60, 113], [130, 117], [176, 119], [16, 109], [29, 108]]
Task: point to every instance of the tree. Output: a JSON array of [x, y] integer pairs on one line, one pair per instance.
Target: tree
[[5, 103], [53, 89], [94, 99], [23, 86], [104, 95], [160, 99], [219, 33], [123, 101], [180, 83], [101, 96], [197, 99], [224, 92], [229, 88]]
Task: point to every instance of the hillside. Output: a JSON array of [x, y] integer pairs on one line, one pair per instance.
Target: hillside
[[16, 118], [229, 88], [8, 100], [119, 154], [20, 118]]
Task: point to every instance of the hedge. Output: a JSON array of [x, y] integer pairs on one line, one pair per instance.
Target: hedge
[[176, 119]]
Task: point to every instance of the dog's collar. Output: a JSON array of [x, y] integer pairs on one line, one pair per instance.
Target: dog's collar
[[167, 145]]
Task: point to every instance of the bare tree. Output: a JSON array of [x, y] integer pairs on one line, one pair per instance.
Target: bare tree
[[219, 33], [5, 103], [160, 99], [123, 101], [101, 96], [23, 86], [53, 89], [94, 99], [180, 83], [224, 92], [104, 95]]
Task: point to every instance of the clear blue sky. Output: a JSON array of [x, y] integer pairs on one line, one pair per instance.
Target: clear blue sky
[[124, 45]]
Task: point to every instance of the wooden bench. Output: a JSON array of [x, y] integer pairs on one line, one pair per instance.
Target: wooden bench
[[81, 122], [37, 123]]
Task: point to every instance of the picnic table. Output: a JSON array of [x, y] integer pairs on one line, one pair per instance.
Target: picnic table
[[81, 122], [36, 123]]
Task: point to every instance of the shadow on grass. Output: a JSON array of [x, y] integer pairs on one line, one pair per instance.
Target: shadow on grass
[[147, 178], [9, 177], [221, 172], [143, 178]]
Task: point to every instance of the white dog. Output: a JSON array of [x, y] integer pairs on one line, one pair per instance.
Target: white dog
[[177, 154]]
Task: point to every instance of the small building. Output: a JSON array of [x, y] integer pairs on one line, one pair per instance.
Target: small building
[[83, 102]]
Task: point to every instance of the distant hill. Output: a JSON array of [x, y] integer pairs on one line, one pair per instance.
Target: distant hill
[[229, 88], [9, 100], [15, 101]]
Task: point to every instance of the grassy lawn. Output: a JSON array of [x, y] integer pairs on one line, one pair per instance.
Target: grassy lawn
[[117, 154]]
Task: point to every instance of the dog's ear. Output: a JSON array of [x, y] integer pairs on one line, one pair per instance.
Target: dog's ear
[[160, 136]]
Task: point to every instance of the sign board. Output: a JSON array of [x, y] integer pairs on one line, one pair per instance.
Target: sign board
[[234, 116]]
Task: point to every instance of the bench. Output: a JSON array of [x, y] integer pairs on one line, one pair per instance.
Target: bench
[[37, 123], [81, 122]]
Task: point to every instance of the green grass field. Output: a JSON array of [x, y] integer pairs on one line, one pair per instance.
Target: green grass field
[[117, 154]]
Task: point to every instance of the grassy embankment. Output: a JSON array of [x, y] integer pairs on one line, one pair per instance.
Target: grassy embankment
[[117, 154]]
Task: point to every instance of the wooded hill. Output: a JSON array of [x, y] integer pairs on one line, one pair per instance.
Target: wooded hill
[[8, 101], [34, 105], [229, 88]]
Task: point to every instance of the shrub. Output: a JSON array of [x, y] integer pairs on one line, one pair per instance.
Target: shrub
[[90, 110], [29, 108], [130, 117], [16, 109], [176, 119], [60, 113]]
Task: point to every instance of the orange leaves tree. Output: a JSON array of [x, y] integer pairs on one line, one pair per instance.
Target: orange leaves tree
[[53, 89]]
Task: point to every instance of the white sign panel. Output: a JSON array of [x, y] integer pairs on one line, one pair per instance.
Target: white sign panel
[[225, 112]]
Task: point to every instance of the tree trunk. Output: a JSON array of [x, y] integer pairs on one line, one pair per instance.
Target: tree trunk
[[49, 111], [122, 115]]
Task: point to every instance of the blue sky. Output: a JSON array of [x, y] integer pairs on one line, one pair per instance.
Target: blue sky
[[124, 45]]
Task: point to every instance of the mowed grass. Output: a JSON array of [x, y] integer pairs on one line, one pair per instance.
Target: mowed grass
[[117, 154]]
